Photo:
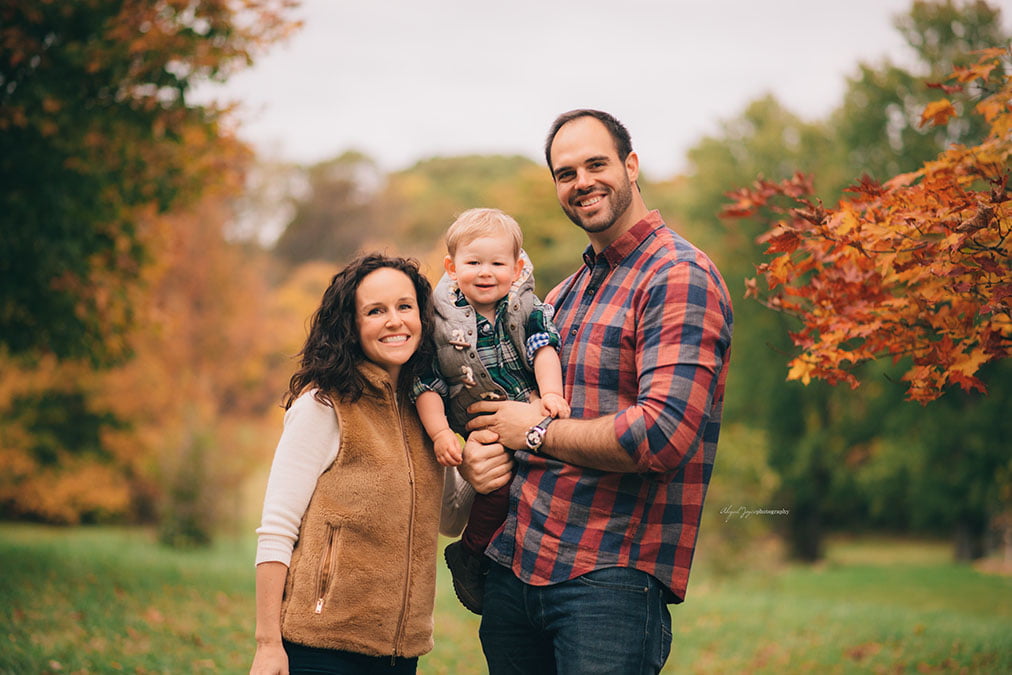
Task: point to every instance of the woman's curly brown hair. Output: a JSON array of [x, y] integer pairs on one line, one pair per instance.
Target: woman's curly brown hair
[[330, 357]]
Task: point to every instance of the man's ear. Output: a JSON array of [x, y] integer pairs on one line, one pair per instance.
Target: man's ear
[[632, 166], [450, 268]]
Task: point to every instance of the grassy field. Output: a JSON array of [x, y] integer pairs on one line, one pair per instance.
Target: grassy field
[[101, 600]]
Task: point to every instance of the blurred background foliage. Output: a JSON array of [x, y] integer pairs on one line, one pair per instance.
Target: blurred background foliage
[[156, 278]]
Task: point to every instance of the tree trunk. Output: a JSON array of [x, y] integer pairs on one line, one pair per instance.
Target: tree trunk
[[968, 537]]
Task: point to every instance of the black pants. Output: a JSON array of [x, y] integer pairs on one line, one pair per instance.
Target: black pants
[[317, 661]]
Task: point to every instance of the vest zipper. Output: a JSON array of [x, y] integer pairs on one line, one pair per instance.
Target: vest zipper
[[399, 635], [326, 568]]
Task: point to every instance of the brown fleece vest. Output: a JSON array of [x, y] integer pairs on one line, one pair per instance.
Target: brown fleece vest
[[363, 572]]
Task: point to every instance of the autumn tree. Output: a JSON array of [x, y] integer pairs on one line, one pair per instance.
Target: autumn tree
[[916, 267], [169, 435], [335, 212], [877, 125], [96, 128]]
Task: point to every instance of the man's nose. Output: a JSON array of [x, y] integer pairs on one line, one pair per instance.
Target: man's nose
[[584, 180]]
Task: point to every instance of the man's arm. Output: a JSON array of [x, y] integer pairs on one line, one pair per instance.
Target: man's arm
[[682, 322], [588, 443]]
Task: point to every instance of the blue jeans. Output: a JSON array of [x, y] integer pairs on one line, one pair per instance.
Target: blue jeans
[[613, 620], [303, 660]]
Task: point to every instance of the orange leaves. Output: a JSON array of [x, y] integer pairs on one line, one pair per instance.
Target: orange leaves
[[938, 112], [916, 267]]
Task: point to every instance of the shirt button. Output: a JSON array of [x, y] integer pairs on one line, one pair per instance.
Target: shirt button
[[572, 332], [591, 291]]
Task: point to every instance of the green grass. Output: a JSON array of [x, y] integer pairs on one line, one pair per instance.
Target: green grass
[[102, 600]]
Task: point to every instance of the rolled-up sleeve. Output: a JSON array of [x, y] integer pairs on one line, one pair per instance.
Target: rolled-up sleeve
[[683, 337]]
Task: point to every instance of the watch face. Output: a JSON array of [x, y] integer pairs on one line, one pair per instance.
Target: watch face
[[534, 436]]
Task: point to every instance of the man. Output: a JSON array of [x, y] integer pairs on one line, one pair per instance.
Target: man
[[605, 506]]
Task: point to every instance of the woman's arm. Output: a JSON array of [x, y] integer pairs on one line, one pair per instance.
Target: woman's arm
[[308, 445], [270, 657]]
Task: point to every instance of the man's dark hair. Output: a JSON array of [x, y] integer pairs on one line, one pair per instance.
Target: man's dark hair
[[619, 134]]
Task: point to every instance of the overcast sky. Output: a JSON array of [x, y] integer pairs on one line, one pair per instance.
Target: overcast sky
[[402, 80]]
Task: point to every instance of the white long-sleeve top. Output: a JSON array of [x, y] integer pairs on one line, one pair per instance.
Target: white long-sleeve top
[[309, 444]]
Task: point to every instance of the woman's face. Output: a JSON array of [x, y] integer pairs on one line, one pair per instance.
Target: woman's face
[[388, 319]]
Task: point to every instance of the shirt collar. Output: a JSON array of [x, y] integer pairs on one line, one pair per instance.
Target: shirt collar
[[628, 242]]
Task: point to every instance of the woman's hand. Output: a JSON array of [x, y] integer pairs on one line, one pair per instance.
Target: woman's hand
[[270, 659]]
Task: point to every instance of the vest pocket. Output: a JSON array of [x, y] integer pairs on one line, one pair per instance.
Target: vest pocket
[[325, 572]]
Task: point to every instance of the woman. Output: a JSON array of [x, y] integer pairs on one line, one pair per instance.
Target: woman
[[347, 544]]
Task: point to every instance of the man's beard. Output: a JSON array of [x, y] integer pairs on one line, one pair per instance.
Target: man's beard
[[618, 203]]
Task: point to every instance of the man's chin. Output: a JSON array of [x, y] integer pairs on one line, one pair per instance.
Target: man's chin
[[594, 225]]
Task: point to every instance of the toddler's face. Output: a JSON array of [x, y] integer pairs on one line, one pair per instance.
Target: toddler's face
[[484, 269]]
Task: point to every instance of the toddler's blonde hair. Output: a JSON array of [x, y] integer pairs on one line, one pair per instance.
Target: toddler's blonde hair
[[475, 223]]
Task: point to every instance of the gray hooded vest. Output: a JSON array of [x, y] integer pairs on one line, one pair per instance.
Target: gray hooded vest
[[456, 340]]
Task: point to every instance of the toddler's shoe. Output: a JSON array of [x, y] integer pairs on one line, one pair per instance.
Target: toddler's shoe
[[468, 572]]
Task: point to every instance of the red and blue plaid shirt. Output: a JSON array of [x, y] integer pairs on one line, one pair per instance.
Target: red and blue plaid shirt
[[646, 333]]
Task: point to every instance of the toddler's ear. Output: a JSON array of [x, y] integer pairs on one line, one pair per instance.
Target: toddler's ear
[[519, 268], [450, 268]]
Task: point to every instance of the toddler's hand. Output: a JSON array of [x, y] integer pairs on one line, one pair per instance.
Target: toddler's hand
[[554, 405], [447, 447]]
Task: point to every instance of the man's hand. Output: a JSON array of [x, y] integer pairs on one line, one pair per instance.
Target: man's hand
[[510, 420], [486, 464]]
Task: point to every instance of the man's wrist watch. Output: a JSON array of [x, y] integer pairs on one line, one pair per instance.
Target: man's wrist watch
[[536, 434]]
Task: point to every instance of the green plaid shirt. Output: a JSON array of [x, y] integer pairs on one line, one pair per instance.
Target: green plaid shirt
[[507, 367]]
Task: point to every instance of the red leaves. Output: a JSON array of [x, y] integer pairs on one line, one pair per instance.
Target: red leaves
[[918, 266]]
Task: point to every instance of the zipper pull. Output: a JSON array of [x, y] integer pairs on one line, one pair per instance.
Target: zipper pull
[[319, 606]]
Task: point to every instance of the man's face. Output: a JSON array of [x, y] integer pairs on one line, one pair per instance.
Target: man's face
[[594, 187]]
